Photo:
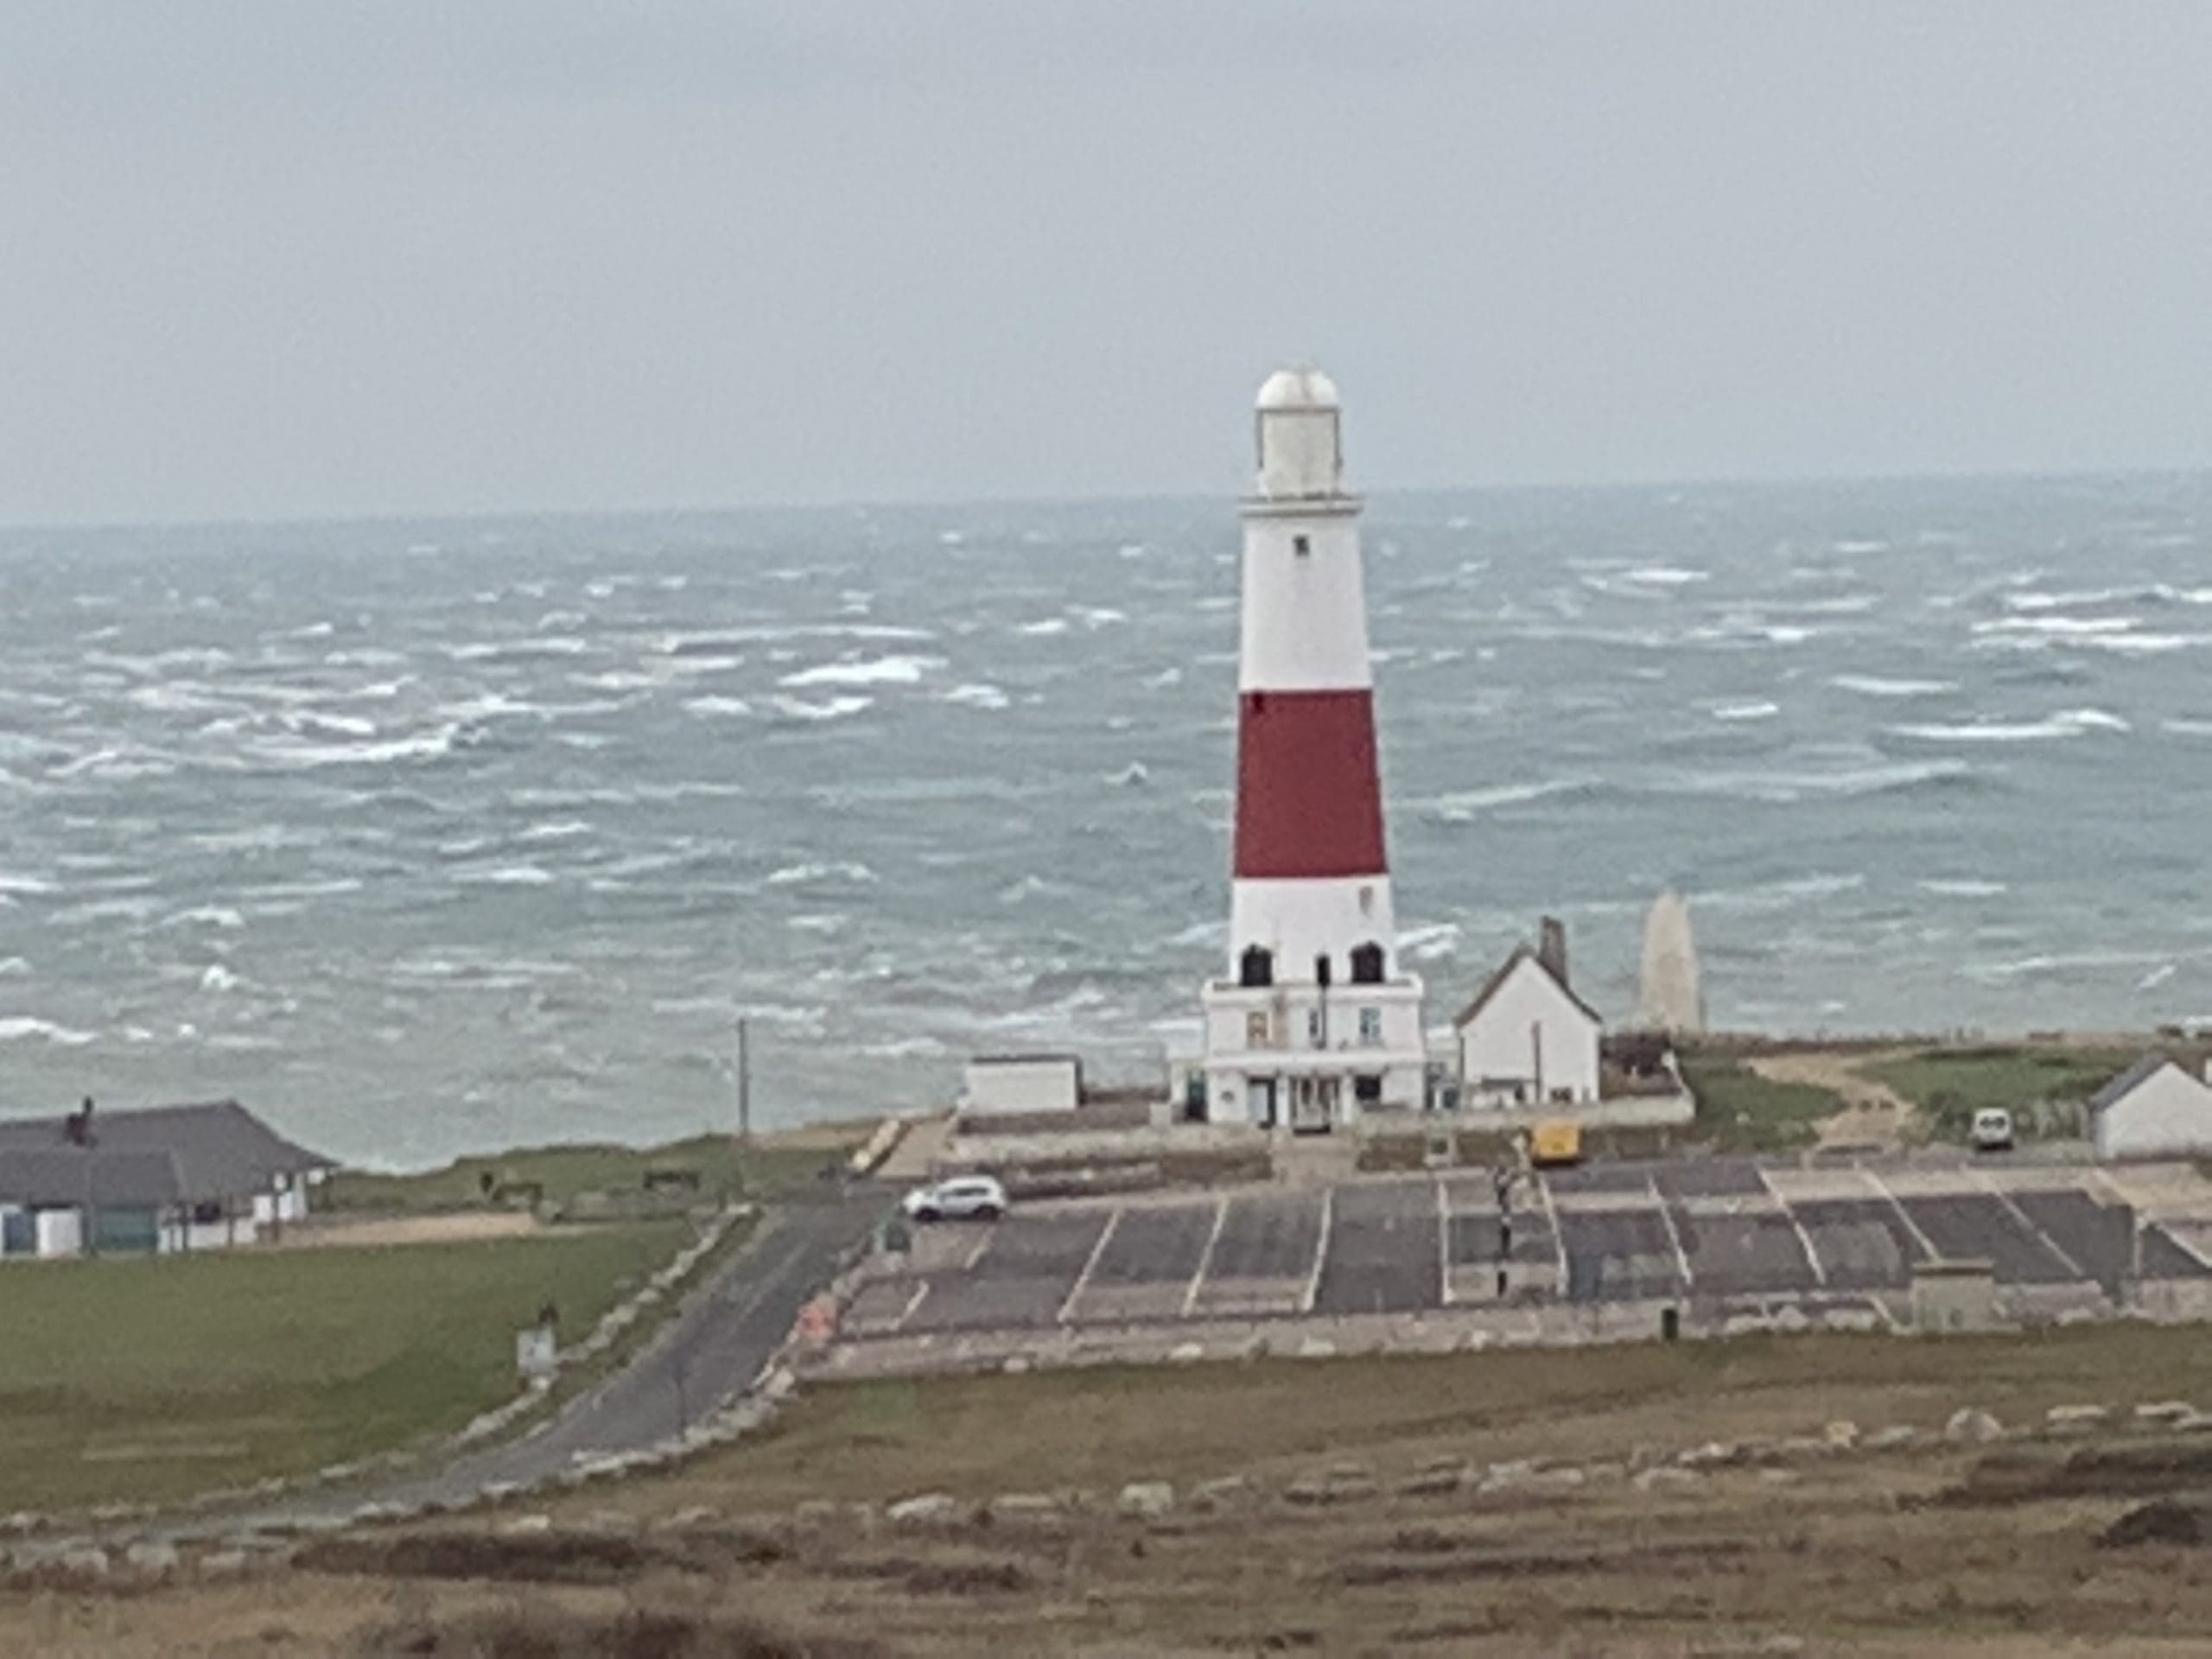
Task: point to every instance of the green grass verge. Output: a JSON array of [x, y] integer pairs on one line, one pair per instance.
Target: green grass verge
[[1950, 1085], [149, 1380], [1739, 1110], [589, 1182]]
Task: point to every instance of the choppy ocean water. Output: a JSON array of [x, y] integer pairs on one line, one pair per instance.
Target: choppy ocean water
[[425, 836]]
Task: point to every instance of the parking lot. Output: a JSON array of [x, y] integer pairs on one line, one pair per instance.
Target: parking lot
[[1713, 1234]]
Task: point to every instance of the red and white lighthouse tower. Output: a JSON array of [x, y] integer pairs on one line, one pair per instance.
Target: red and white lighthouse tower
[[1314, 1019]]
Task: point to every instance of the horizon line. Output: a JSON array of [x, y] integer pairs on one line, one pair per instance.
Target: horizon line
[[328, 519]]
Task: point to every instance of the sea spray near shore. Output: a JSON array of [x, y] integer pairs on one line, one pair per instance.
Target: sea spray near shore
[[431, 836]]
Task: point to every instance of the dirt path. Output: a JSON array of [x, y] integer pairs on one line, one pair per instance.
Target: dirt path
[[379, 1231], [1872, 1114]]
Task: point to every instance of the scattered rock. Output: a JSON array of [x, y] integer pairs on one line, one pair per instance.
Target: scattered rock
[[1317, 1348], [1214, 1495], [1339, 1485], [818, 1512], [1147, 1499], [929, 1509], [688, 1520], [88, 1563], [225, 1564], [2164, 1411], [1186, 1353], [2167, 1521], [1714, 1454], [609, 1523], [1439, 1479], [1662, 1478], [1970, 1425], [1892, 1439], [1025, 1508], [1841, 1435], [2076, 1419], [527, 1526], [151, 1558], [1016, 1365]]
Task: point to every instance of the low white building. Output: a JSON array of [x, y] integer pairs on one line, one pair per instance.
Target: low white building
[[2153, 1109], [1527, 1039], [1023, 1084]]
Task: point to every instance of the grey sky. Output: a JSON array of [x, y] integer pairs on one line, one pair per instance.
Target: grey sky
[[267, 258]]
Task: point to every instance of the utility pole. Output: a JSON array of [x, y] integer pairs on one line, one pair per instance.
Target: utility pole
[[1502, 1179], [744, 1084]]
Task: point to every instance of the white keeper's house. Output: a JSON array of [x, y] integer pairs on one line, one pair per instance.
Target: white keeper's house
[[2156, 1108], [1526, 1039]]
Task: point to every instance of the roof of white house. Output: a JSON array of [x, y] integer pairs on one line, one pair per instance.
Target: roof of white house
[[2132, 1079], [157, 1155], [1497, 981], [75, 1176]]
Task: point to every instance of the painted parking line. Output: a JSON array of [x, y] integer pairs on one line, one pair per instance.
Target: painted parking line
[[1927, 1244], [1143, 1270], [1320, 1248], [1443, 1242], [1263, 1259], [1804, 1239], [1205, 1257], [1551, 1215], [1090, 1266], [1380, 1256], [1674, 1235], [920, 1295], [2042, 1235]]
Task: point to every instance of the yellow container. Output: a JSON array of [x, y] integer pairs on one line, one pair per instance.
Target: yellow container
[[1554, 1143]]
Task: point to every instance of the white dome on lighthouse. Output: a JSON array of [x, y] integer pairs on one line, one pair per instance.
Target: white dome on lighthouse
[[1300, 388], [1300, 441]]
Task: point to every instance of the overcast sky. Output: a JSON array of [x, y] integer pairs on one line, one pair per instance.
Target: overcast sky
[[275, 257]]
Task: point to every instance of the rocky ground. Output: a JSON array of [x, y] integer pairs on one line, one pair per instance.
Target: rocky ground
[[1726, 1509]]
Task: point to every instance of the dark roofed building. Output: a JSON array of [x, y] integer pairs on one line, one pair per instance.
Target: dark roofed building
[[156, 1179]]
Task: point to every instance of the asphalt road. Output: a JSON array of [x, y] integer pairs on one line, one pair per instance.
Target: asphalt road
[[726, 1332]]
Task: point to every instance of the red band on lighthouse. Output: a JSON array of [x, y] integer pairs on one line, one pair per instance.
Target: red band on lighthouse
[[1309, 799]]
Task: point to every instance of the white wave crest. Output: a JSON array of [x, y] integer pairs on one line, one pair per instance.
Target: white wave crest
[[878, 671], [1871, 685], [17, 1027], [2068, 722]]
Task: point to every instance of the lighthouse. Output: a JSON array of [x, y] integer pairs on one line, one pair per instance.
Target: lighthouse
[[1314, 1020]]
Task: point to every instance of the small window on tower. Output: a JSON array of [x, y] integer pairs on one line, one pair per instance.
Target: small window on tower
[[1300, 545]]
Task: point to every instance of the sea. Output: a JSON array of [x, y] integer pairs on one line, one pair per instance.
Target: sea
[[421, 838]]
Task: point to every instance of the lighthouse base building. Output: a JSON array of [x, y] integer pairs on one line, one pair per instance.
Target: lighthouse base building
[[1314, 1022], [1310, 1056]]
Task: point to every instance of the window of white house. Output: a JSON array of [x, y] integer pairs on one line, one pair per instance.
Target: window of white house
[[1370, 1027], [1314, 1026], [1255, 1031]]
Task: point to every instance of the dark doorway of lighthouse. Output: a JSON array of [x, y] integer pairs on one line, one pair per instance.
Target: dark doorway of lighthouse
[[1313, 1105]]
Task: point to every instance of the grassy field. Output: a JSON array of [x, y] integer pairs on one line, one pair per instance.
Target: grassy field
[[1739, 1110], [1950, 1085], [601, 1180], [150, 1380], [1936, 1553]]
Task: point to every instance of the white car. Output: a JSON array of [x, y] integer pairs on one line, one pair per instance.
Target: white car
[[965, 1198], [1993, 1129]]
